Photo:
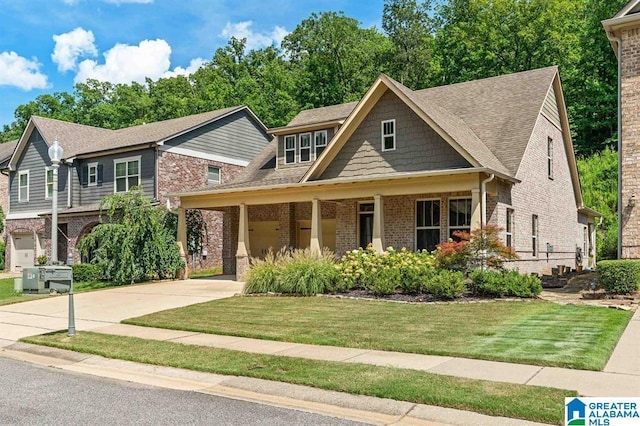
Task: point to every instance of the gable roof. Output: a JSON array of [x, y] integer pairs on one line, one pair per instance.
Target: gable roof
[[6, 150], [80, 140], [629, 15]]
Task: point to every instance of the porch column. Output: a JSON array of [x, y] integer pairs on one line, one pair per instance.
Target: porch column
[[378, 224], [243, 252], [316, 227], [476, 209], [182, 239]]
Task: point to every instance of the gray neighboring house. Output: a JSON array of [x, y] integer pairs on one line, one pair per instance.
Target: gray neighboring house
[[182, 154], [408, 168]]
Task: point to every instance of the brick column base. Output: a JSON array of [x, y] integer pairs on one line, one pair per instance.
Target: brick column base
[[242, 267]]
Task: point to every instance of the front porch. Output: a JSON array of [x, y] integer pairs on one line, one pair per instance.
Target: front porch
[[415, 212]]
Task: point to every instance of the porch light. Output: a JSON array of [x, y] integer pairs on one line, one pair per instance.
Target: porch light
[[632, 200]]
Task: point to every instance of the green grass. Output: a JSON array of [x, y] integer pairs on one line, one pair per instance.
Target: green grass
[[493, 398], [205, 273], [531, 332], [7, 296]]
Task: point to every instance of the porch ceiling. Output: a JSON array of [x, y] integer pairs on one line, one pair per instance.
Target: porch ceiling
[[444, 181]]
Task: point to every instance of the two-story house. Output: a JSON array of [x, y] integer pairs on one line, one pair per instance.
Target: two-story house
[[6, 151], [188, 153], [408, 168]]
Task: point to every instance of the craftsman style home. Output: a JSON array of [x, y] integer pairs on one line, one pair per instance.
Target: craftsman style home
[[188, 153], [623, 31], [407, 168]]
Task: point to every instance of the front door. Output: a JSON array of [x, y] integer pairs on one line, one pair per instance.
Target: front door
[[24, 251], [365, 224]]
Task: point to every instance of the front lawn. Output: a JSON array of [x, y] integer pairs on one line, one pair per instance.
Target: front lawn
[[530, 332], [493, 398], [7, 296]]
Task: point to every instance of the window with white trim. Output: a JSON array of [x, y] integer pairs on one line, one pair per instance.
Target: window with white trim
[[92, 174], [320, 142], [305, 147], [509, 229], [23, 186], [213, 175], [427, 224], [550, 158], [389, 135], [459, 216], [127, 174], [48, 182], [534, 235], [290, 149]]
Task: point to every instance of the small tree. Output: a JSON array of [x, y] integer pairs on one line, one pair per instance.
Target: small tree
[[134, 243], [197, 233], [481, 248]]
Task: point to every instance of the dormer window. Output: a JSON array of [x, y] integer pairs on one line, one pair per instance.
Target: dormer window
[[289, 149], [389, 135], [320, 142], [305, 147]]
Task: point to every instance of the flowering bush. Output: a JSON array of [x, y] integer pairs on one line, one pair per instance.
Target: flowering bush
[[360, 268]]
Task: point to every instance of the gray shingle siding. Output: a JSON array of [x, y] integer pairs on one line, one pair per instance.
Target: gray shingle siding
[[34, 159], [234, 136], [94, 194], [418, 146]]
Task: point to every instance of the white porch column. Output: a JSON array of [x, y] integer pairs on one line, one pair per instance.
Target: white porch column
[[476, 209], [316, 227], [182, 238], [243, 232], [378, 224]]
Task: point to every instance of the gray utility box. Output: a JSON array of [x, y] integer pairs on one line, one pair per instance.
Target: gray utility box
[[43, 279]]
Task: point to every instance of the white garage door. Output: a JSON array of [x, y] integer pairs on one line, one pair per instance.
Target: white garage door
[[23, 248]]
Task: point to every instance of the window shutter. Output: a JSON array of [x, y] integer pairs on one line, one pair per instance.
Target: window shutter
[[100, 167], [85, 175]]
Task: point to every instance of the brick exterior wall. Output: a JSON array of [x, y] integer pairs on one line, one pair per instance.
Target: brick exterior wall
[[4, 199], [630, 166], [179, 173]]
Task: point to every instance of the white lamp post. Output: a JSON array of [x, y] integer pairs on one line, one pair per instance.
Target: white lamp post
[[55, 154]]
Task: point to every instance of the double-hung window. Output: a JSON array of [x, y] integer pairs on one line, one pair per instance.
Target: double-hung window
[[48, 182], [92, 174], [305, 147], [459, 216], [213, 175], [23, 186], [427, 224], [534, 235], [509, 228], [127, 173], [389, 135], [320, 142], [290, 149]]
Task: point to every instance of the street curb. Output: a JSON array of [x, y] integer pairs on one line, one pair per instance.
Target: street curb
[[373, 410]]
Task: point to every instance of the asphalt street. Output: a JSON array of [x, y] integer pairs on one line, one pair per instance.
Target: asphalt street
[[32, 394]]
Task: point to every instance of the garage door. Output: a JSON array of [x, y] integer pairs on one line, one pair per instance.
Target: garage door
[[262, 237], [24, 251], [328, 233]]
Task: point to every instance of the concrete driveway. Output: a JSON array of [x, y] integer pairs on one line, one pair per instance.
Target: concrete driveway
[[99, 308]]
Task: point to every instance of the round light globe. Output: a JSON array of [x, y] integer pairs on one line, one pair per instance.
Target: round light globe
[[55, 152]]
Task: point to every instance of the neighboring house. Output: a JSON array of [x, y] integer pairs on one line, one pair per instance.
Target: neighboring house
[[623, 31], [407, 168], [187, 153], [6, 151]]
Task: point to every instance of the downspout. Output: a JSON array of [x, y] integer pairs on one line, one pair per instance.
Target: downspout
[[483, 190], [69, 184], [618, 41]]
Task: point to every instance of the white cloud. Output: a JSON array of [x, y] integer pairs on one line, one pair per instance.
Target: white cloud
[[255, 40], [71, 46], [194, 65], [125, 63], [21, 72]]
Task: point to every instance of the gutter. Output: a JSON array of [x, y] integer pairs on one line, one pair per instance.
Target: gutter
[[612, 38], [483, 190]]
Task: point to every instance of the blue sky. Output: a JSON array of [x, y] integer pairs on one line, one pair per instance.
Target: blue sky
[[48, 45]]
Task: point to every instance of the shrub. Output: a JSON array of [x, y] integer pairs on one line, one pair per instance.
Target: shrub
[[619, 276], [385, 281], [262, 276], [308, 274], [86, 272], [3, 247], [445, 284], [504, 283]]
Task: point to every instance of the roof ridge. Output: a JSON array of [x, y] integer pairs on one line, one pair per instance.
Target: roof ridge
[[64, 122], [190, 116]]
